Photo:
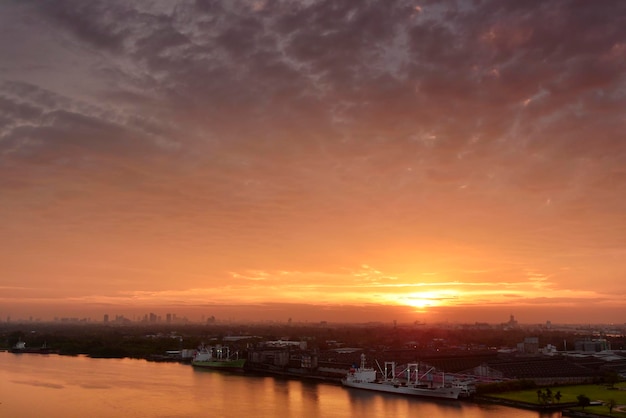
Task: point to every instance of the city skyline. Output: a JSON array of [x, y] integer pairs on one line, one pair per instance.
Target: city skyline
[[172, 318], [343, 160]]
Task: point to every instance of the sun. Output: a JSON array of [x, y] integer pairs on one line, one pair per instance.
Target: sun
[[421, 303], [424, 300]]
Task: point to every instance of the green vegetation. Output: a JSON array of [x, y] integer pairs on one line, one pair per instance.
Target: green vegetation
[[613, 399], [583, 401], [102, 341]]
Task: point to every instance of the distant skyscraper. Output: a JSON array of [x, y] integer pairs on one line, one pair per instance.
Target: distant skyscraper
[[512, 322], [106, 318]]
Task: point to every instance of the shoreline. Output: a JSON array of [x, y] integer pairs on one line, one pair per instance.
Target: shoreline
[[524, 405]]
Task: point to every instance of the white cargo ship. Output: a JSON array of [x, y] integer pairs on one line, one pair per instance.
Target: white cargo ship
[[365, 378]]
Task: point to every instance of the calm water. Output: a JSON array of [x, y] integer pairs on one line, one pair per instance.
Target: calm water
[[56, 386]]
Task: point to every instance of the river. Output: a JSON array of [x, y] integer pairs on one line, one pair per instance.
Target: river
[[33, 385]]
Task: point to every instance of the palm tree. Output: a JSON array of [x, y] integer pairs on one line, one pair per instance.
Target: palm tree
[[558, 396], [549, 395], [583, 401], [611, 404]]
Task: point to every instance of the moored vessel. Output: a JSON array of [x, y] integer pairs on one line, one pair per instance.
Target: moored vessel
[[218, 357], [20, 347], [365, 378]]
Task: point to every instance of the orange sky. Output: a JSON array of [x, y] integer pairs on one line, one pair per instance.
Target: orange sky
[[314, 160]]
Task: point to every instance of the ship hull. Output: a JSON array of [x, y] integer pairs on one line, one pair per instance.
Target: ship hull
[[441, 393], [229, 365], [32, 351]]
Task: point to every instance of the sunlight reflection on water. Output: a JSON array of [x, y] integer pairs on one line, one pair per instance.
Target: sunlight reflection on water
[[85, 387]]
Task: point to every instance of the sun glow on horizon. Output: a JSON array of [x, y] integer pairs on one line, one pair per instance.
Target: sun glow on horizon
[[424, 300]]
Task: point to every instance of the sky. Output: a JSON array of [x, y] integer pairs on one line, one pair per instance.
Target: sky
[[319, 160]]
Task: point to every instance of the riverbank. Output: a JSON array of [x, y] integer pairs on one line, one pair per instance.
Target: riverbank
[[590, 412], [524, 405], [322, 374], [599, 396], [617, 413]]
